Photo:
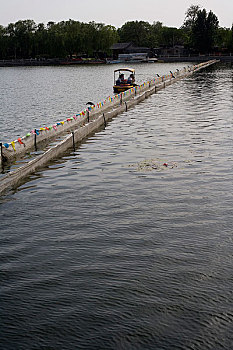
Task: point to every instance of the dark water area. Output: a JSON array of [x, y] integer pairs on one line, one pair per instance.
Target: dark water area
[[126, 243]]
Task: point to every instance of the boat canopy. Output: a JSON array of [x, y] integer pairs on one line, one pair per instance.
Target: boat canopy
[[125, 69]]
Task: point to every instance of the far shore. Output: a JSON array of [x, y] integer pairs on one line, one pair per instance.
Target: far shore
[[65, 62]]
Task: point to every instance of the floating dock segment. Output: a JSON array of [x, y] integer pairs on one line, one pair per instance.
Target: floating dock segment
[[80, 126]]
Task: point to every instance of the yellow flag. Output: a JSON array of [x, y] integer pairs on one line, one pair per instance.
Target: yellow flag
[[13, 145]]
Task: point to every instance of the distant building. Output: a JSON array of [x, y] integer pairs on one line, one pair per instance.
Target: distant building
[[134, 56], [124, 50], [120, 48], [129, 48], [176, 50]]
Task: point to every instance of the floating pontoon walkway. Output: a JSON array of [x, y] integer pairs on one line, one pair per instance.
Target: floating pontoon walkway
[[79, 127]]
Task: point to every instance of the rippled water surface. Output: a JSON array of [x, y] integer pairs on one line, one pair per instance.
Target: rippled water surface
[[127, 242]]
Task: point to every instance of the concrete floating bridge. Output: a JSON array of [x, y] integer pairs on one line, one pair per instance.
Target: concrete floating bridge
[[78, 127]]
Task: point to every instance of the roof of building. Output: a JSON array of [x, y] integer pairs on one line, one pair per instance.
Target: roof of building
[[140, 49], [120, 46]]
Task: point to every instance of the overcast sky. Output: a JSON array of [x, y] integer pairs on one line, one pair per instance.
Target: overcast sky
[[170, 12]]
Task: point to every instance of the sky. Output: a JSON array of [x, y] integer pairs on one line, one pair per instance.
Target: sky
[[170, 12]]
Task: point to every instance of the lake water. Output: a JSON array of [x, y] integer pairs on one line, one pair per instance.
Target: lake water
[[127, 242]]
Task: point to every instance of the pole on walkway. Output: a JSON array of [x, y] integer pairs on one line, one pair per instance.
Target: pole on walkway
[[172, 74], [35, 140], [73, 141], [105, 124], [1, 155]]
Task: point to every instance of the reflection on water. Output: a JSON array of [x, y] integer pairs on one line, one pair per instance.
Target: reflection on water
[[108, 248]]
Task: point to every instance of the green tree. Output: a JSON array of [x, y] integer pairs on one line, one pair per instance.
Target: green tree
[[3, 43], [40, 41], [69, 32], [223, 39], [204, 31], [230, 43], [137, 32], [190, 17], [21, 36], [55, 40], [156, 34], [106, 36], [172, 36]]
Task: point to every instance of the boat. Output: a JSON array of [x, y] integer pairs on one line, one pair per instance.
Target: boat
[[120, 83]]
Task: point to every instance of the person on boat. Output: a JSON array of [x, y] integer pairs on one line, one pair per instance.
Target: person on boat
[[120, 80], [131, 79]]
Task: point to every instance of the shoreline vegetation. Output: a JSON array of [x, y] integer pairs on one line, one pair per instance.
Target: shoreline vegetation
[[74, 42]]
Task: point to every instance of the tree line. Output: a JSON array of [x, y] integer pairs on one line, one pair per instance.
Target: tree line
[[26, 39], [200, 33]]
